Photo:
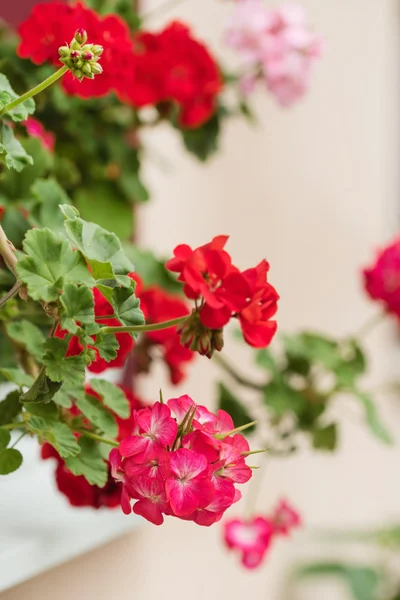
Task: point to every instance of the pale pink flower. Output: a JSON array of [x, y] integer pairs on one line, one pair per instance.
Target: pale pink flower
[[285, 518], [277, 46], [251, 538]]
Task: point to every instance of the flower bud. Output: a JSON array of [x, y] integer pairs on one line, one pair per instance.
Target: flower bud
[[97, 49], [63, 50], [81, 36], [96, 68], [198, 338], [86, 68], [218, 339]]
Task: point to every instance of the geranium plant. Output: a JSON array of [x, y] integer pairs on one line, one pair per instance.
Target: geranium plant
[[74, 304]]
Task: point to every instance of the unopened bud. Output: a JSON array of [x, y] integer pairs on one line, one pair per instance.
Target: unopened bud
[[97, 49], [81, 36], [63, 50], [86, 69], [96, 68], [218, 339], [74, 54], [87, 55], [204, 344]]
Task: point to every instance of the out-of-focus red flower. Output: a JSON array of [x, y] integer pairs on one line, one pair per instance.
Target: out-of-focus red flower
[[382, 279], [35, 129]]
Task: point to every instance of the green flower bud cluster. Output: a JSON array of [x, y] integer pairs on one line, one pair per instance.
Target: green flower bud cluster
[[198, 338], [81, 58]]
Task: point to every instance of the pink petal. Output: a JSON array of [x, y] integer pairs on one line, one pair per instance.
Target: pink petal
[[125, 502], [149, 510], [187, 464], [133, 445], [186, 496]]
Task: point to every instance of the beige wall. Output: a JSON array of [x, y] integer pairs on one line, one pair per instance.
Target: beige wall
[[314, 189]]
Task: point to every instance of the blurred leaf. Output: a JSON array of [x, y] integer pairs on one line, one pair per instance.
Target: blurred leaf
[[281, 398], [46, 411], [362, 581], [27, 335], [113, 397], [95, 412], [235, 407], [152, 270], [89, 463], [10, 461], [325, 438], [70, 391], [372, 418], [45, 212], [265, 359], [5, 438], [133, 187], [10, 407], [12, 153], [17, 376], [15, 224], [203, 141], [42, 390], [20, 112]]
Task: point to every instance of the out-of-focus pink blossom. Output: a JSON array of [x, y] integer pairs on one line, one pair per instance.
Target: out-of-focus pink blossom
[[277, 46]]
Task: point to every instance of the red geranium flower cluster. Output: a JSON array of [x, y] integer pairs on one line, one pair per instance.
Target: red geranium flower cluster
[[75, 487], [52, 24], [382, 280], [172, 66], [158, 306], [253, 537], [221, 291], [182, 461], [102, 308], [152, 68]]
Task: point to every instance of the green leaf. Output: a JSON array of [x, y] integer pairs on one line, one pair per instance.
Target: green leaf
[[107, 346], [325, 438], [17, 376], [125, 304], [203, 141], [5, 438], [10, 407], [372, 418], [236, 408], [362, 582], [20, 112], [96, 244], [152, 269], [57, 434], [12, 153], [95, 412], [282, 399], [46, 411], [89, 463], [46, 212], [42, 390], [112, 396], [69, 392], [50, 264], [266, 360], [27, 335], [133, 187], [351, 365], [58, 366], [78, 306], [10, 461]]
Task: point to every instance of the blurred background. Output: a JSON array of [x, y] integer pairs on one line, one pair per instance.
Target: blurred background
[[314, 190]]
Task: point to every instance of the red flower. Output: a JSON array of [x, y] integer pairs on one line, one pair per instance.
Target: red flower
[[183, 466], [222, 292], [101, 308], [75, 487], [172, 66], [36, 130], [285, 518], [50, 25], [157, 306], [382, 280]]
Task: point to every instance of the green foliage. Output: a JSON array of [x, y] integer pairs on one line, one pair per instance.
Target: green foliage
[[12, 153], [152, 269], [125, 304], [17, 376], [78, 307], [98, 415], [325, 438], [362, 581], [7, 94], [235, 407], [56, 433], [112, 396], [377, 428], [10, 407], [10, 461], [89, 463], [43, 390], [45, 211], [203, 141], [27, 335], [4, 438], [107, 346], [49, 264], [102, 206], [70, 390], [58, 366]]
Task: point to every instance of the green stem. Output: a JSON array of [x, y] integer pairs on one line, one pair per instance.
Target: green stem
[[23, 434], [97, 438], [10, 426], [142, 328], [13, 292], [369, 325], [233, 372], [36, 90]]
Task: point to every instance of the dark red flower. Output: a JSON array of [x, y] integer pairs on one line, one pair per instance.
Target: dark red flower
[[382, 280]]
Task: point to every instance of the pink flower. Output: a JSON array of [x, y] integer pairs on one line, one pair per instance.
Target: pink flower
[[156, 428], [188, 488], [182, 461], [285, 518], [36, 130], [251, 538], [382, 279], [277, 46]]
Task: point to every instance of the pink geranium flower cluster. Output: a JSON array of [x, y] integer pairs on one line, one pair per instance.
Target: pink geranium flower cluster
[[277, 46], [382, 279], [183, 461], [252, 538]]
